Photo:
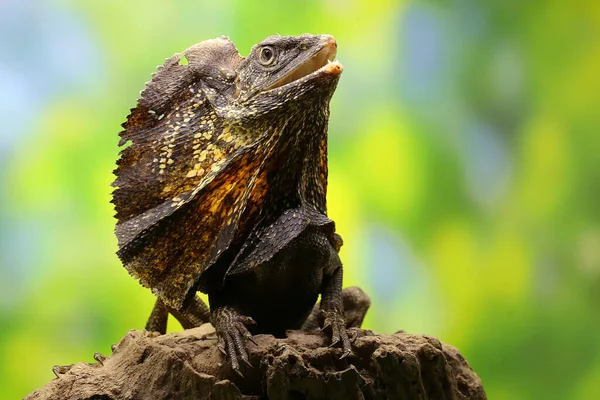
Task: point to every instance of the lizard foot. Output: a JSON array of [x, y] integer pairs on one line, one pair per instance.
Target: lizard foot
[[335, 322], [232, 332]]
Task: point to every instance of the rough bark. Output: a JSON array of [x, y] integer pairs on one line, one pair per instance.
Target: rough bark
[[188, 365]]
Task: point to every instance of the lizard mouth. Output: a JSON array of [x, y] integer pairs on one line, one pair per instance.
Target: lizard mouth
[[322, 61]]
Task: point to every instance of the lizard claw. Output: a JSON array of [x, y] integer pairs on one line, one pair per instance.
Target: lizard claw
[[247, 363], [99, 357], [232, 333], [326, 326], [354, 335], [250, 338], [221, 345], [345, 354], [238, 372], [61, 369]]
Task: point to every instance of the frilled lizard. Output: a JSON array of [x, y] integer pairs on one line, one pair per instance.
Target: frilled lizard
[[222, 189]]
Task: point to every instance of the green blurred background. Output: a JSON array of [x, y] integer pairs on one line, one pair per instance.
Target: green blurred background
[[464, 174]]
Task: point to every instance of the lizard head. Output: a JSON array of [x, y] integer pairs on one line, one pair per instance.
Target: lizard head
[[287, 67]]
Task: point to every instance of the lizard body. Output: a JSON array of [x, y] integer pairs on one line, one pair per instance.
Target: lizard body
[[222, 189]]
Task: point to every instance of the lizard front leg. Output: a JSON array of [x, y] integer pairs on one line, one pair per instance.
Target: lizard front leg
[[331, 316]]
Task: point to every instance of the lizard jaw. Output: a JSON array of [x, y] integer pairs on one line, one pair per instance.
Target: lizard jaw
[[322, 61]]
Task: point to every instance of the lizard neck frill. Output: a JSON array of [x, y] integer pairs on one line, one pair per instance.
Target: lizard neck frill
[[297, 172]]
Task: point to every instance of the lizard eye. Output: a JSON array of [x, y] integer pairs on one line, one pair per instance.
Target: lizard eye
[[266, 55]]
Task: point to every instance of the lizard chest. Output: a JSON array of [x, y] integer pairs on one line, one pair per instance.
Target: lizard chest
[[280, 293]]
